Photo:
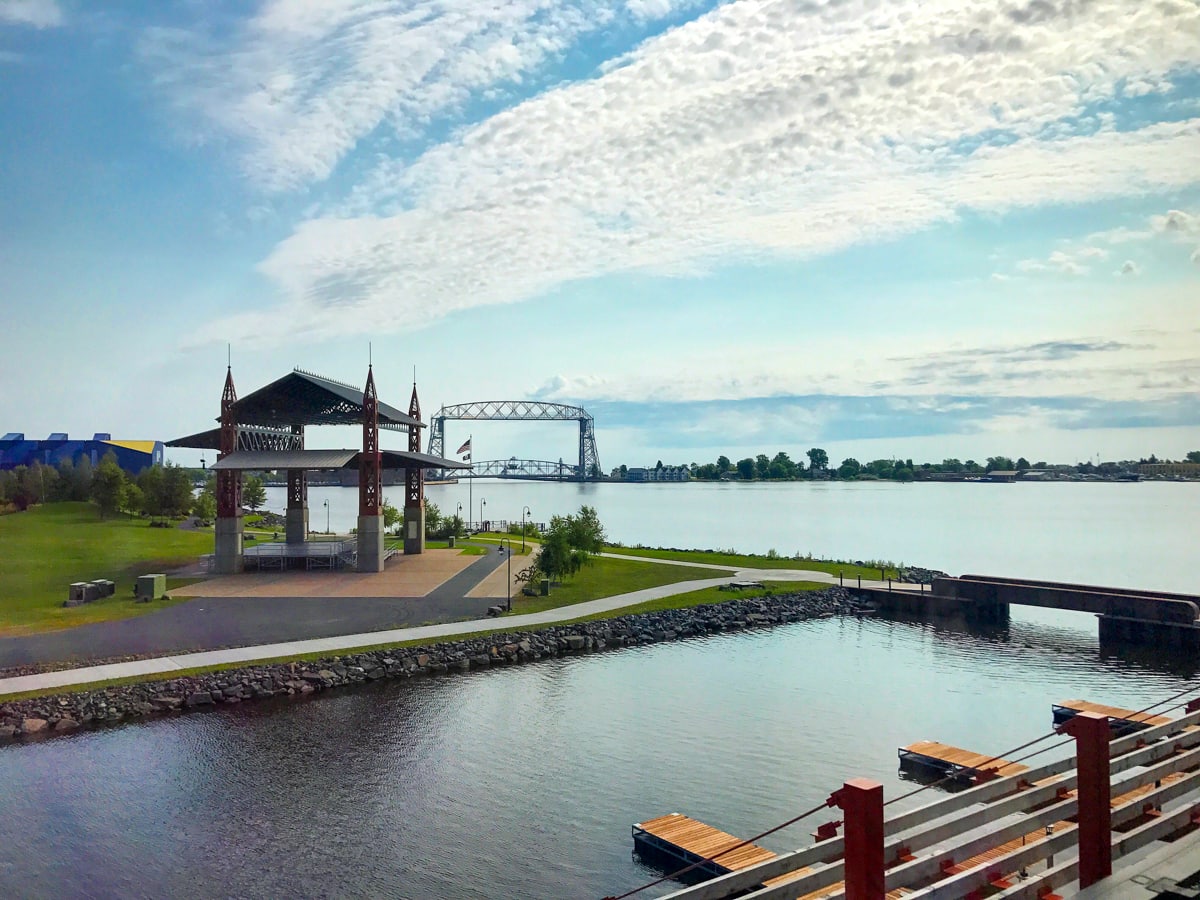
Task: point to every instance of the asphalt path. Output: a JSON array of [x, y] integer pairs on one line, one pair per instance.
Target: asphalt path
[[210, 622]]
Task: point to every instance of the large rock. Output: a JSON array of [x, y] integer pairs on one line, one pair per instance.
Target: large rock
[[199, 698], [66, 723], [33, 726], [576, 641]]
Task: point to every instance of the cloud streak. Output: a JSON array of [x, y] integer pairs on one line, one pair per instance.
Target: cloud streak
[[758, 130], [36, 13]]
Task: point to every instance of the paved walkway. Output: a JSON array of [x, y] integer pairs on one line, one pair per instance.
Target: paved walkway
[[332, 645], [229, 621]]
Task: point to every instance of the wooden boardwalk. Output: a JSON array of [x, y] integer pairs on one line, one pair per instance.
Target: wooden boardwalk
[[955, 761], [1122, 719]]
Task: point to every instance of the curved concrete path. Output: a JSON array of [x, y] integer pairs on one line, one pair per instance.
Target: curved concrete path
[[73, 678]]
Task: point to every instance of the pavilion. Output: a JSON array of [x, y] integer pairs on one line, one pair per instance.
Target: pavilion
[[264, 431]]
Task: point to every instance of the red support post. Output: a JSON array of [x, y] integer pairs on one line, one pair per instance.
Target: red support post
[[862, 802], [1091, 733], [370, 469], [414, 482], [229, 483]]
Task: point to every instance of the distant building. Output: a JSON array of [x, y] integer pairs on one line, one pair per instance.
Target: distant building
[[1170, 469], [654, 473], [132, 456]]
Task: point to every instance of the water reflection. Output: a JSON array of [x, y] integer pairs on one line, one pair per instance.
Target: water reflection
[[526, 779]]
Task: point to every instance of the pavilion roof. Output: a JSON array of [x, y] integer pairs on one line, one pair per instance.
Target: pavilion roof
[[315, 460], [304, 398]]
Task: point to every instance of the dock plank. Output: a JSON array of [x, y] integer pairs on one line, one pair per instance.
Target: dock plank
[[957, 757], [1114, 712]]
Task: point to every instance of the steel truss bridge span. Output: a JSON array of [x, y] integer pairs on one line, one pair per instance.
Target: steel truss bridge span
[[529, 469], [588, 467]]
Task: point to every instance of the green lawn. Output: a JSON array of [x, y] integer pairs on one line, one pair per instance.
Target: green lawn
[[48, 547], [708, 595], [606, 577], [751, 561]]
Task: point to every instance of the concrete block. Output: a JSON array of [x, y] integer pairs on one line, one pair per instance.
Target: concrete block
[[150, 587]]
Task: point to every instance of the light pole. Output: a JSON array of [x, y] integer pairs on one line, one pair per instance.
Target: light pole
[[508, 583], [327, 517], [524, 510], [458, 515], [482, 510]]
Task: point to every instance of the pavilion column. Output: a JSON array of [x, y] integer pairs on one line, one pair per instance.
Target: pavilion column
[[414, 486], [371, 555], [228, 556], [296, 523]]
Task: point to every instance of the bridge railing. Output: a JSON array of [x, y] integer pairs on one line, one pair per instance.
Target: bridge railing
[[991, 817]]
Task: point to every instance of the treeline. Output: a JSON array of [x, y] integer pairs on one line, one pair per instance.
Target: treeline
[[781, 467], [156, 491]]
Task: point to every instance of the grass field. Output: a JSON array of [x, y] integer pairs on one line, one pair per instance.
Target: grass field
[[604, 577], [48, 547], [750, 561]]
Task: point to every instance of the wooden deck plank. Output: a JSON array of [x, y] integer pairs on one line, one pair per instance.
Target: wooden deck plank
[[967, 759], [1114, 712], [703, 840]]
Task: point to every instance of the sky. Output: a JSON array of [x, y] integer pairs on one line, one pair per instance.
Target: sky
[[889, 229]]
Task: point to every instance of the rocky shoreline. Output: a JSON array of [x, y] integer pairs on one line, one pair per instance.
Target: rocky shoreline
[[64, 713]]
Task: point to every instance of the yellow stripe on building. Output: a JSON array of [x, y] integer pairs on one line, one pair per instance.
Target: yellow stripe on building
[[140, 446]]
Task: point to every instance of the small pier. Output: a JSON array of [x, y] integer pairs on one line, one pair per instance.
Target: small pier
[[684, 840], [1122, 721], [963, 765]]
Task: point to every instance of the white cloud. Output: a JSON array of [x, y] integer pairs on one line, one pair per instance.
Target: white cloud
[[1129, 267], [38, 13], [299, 86], [759, 129]]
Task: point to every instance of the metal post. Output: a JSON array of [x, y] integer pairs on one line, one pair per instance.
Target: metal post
[[861, 801], [508, 583], [1091, 734]]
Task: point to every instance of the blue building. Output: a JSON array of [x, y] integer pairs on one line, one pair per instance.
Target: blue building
[[132, 456]]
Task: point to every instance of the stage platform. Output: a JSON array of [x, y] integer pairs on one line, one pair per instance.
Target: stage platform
[[306, 555]]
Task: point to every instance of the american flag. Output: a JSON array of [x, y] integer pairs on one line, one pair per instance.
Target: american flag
[[465, 448]]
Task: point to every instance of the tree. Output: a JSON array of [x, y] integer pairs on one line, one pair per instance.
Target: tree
[[108, 485], [781, 466], [902, 473], [745, 469], [762, 466], [586, 534], [849, 468], [999, 464], [1022, 464], [818, 460], [150, 480], [391, 515], [132, 499], [205, 507], [254, 493], [177, 490], [951, 465], [433, 519], [723, 463], [1193, 456]]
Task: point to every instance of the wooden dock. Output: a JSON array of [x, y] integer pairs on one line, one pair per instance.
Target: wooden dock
[[1123, 721], [961, 764], [685, 840]]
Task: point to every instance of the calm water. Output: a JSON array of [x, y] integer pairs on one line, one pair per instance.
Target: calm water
[[1136, 535], [524, 782]]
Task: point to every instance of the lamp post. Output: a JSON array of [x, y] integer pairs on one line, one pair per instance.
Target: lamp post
[[482, 510], [458, 515], [508, 583], [524, 510], [327, 517]]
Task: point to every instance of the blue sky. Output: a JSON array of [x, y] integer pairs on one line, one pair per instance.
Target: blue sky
[[916, 229]]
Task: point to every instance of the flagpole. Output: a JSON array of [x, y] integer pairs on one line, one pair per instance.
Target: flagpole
[[470, 486]]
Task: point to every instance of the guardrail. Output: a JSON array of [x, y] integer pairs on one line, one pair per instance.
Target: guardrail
[[994, 813]]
